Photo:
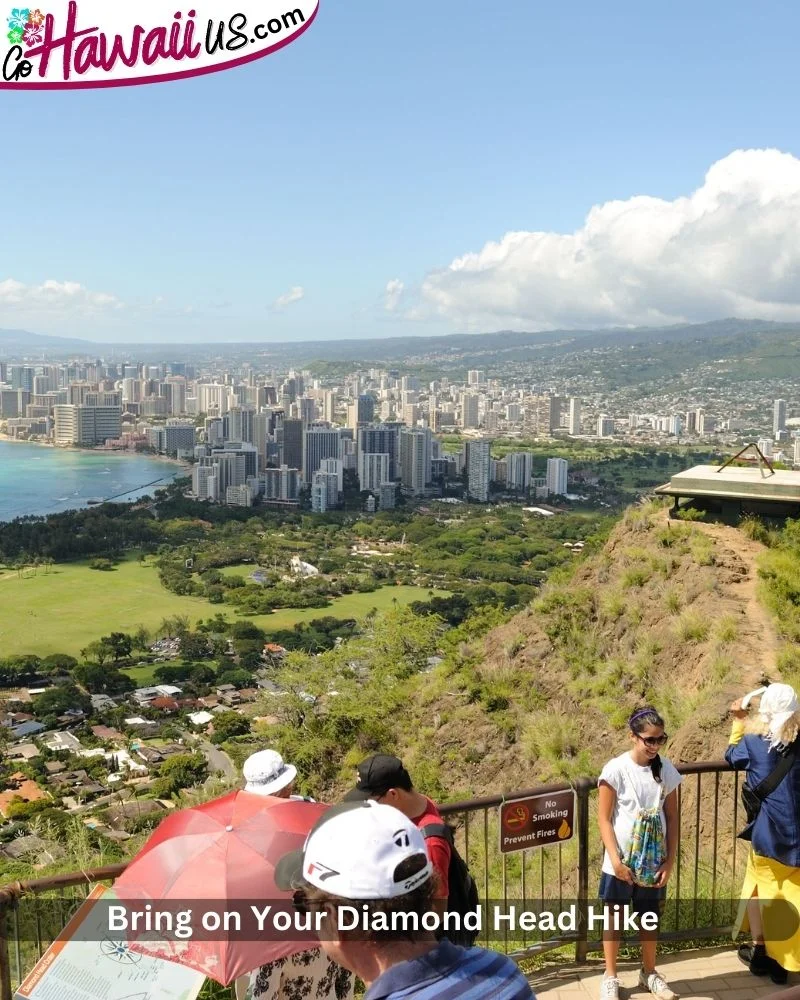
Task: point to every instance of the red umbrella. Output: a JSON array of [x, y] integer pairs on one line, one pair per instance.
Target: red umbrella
[[217, 858]]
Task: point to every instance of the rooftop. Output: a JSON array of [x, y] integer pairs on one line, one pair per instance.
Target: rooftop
[[739, 483]]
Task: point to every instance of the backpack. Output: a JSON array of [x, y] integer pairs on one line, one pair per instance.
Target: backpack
[[463, 895]]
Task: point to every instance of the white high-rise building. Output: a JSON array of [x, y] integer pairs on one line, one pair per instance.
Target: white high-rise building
[[373, 470], [329, 407], [779, 416], [476, 377], [479, 461], [324, 492], [415, 460], [281, 484], [574, 425], [557, 476], [765, 447], [797, 451]]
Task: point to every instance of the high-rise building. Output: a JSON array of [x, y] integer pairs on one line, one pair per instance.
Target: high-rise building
[[415, 462], [324, 492], [605, 426], [329, 407], [382, 439], [574, 425], [86, 425], [282, 484], [469, 410], [797, 451], [21, 377], [476, 377], [373, 470], [519, 469], [691, 422], [291, 440], [319, 443], [779, 416], [238, 424], [479, 458], [361, 411], [557, 476]]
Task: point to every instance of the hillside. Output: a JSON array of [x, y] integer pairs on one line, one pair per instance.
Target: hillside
[[666, 612]]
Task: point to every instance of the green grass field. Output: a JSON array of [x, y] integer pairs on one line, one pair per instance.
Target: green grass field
[[63, 610]]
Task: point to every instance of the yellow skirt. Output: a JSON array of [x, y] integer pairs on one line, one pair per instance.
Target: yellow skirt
[[778, 889]]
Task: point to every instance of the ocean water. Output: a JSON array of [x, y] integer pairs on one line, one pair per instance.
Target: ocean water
[[39, 480]]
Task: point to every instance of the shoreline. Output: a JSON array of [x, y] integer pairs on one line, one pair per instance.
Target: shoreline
[[5, 438]]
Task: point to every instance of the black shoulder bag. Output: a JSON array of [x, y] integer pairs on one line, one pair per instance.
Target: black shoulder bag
[[752, 798]]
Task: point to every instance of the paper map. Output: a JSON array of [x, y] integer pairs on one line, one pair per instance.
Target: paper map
[[94, 967]]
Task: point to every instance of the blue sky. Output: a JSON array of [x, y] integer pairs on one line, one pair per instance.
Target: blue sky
[[386, 142]]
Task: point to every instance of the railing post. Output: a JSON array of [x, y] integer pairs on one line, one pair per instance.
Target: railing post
[[5, 959], [582, 788]]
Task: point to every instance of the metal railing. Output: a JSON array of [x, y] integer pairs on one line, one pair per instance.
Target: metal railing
[[703, 890]]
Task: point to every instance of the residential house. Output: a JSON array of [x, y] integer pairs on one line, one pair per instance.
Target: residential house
[[118, 816], [27, 729], [45, 852], [107, 733], [57, 742], [23, 751], [19, 788], [102, 702], [201, 718], [54, 767], [165, 704]]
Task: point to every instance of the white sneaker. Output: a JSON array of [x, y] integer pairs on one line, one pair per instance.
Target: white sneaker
[[609, 988], [657, 985]]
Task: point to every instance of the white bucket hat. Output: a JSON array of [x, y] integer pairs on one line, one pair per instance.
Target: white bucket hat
[[266, 773], [778, 704]]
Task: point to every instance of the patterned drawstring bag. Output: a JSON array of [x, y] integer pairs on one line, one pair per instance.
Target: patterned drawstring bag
[[647, 851]]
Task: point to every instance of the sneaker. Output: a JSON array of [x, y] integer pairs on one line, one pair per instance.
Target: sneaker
[[609, 988], [755, 957], [656, 984]]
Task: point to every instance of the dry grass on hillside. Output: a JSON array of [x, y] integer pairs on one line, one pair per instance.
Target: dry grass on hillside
[[666, 614]]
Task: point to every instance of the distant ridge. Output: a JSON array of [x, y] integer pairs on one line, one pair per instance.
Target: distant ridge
[[18, 343]]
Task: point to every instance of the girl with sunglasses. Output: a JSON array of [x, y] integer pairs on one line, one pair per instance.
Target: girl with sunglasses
[[637, 792]]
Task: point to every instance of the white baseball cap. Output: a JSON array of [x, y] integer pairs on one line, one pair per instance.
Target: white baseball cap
[[266, 773], [354, 851]]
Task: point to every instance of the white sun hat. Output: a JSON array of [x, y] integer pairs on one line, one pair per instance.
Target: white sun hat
[[355, 850], [266, 773], [778, 704]]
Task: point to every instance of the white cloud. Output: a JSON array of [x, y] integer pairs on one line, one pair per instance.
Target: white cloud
[[394, 293], [731, 248], [54, 297], [293, 295]]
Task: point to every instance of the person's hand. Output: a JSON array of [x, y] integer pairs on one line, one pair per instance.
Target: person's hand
[[662, 875], [736, 709], [623, 873]]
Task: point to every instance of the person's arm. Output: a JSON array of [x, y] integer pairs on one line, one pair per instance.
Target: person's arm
[[607, 801], [737, 754], [439, 853], [671, 816]]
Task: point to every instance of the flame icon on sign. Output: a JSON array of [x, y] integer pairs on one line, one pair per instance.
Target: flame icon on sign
[[564, 830]]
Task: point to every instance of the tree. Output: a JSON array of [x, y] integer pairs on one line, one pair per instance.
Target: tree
[[236, 676], [194, 646], [228, 725], [181, 771], [102, 680], [120, 644], [96, 651], [57, 700], [58, 663]]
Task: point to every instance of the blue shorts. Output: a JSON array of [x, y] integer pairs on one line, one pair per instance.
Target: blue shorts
[[642, 899]]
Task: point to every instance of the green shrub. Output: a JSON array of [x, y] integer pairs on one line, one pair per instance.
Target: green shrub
[[691, 628], [727, 629]]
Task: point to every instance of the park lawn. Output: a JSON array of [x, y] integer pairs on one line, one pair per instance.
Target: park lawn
[[144, 676], [63, 610]]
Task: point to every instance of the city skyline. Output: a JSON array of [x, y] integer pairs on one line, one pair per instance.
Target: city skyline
[[434, 182]]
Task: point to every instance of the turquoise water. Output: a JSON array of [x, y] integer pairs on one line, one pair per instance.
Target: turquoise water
[[38, 480]]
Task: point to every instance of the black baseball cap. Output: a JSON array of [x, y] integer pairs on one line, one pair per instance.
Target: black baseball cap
[[376, 775]]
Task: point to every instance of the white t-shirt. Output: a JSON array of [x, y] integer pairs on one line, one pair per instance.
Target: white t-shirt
[[636, 789]]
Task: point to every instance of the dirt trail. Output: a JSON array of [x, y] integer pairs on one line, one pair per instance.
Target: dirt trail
[[737, 558]]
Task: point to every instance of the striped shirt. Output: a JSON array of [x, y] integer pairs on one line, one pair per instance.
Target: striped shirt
[[447, 972]]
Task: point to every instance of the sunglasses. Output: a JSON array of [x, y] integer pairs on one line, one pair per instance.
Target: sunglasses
[[653, 741]]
